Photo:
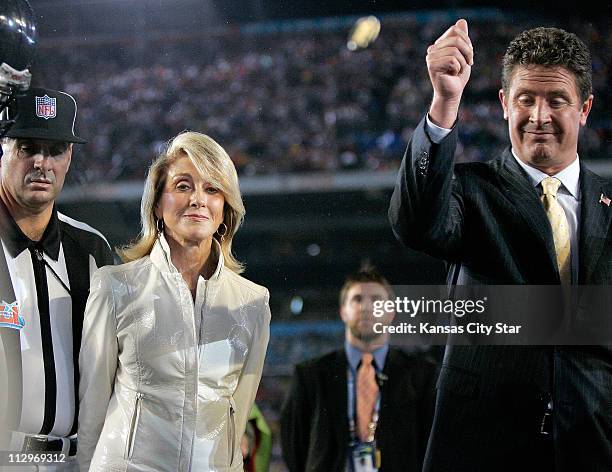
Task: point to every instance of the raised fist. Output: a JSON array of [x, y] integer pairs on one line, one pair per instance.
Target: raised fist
[[449, 64]]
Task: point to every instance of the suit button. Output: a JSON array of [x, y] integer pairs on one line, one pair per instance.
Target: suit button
[[422, 163]]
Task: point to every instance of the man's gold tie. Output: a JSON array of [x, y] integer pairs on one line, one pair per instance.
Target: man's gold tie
[[367, 394], [560, 227]]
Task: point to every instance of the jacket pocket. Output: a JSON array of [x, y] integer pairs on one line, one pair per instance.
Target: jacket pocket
[[231, 431], [129, 446]]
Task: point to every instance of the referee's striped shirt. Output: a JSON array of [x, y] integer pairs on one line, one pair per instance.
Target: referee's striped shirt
[[49, 280]]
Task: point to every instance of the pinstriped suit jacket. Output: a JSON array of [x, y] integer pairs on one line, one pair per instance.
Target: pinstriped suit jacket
[[488, 218]]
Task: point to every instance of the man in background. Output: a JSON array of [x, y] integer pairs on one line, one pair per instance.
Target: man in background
[[365, 407]]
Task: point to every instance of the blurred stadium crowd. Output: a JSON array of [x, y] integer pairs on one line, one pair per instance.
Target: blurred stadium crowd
[[295, 101]]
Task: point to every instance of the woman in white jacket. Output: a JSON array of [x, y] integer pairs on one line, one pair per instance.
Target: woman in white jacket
[[174, 340]]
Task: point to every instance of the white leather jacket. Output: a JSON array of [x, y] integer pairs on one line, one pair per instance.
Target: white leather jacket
[[166, 385]]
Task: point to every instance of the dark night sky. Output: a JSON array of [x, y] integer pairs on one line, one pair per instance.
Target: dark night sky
[[65, 18], [253, 10], [316, 8]]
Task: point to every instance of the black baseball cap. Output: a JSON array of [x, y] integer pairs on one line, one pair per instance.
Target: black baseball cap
[[44, 114]]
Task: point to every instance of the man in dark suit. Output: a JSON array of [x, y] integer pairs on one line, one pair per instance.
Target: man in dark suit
[[326, 423], [508, 222]]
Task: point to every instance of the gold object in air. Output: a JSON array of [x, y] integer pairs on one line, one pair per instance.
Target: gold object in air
[[364, 33]]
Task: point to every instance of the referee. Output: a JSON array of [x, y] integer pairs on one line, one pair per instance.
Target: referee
[[46, 260]]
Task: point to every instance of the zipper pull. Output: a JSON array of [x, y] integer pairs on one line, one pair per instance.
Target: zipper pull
[[39, 254]]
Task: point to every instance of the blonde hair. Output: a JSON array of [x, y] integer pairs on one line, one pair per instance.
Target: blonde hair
[[212, 162]]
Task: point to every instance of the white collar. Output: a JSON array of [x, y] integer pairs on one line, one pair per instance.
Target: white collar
[[569, 177], [160, 255]]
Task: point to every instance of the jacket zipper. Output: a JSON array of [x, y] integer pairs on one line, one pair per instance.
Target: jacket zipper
[[232, 433], [133, 426]]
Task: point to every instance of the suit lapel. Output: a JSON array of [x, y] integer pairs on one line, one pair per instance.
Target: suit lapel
[[388, 402], [336, 377], [595, 220], [524, 197]]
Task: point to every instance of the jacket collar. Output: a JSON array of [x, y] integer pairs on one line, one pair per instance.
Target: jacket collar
[[17, 242], [520, 190], [595, 222], [160, 256], [569, 177], [354, 354]]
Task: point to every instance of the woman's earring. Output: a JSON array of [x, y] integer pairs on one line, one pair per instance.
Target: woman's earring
[[222, 235], [159, 224]]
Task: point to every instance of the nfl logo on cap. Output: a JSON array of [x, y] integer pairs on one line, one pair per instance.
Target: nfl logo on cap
[[46, 107], [42, 113]]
